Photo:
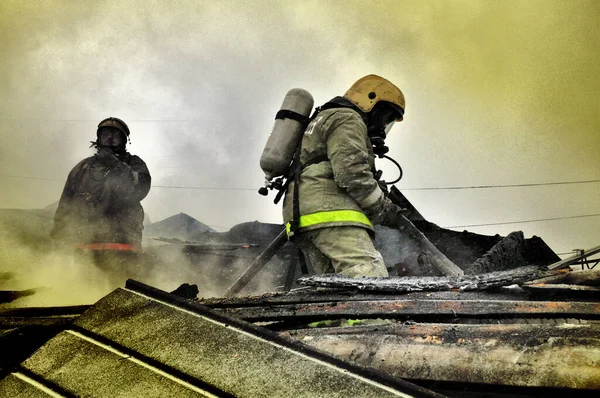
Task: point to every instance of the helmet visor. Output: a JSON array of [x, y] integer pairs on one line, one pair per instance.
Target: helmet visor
[[111, 138], [388, 119], [388, 127]]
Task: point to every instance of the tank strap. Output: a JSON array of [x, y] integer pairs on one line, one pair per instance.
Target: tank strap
[[315, 160], [296, 170], [287, 114], [291, 176]]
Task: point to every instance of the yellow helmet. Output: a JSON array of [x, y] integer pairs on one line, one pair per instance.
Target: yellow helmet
[[371, 89]]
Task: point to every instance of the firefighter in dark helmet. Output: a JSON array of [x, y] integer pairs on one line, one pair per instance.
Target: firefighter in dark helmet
[[99, 210], [339, 198]]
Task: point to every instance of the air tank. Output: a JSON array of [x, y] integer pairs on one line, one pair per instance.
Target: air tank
[[287, 133]]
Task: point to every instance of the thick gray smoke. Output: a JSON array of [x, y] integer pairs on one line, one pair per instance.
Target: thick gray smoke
[[497, 93]]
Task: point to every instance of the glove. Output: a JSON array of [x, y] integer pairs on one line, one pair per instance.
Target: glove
[[383, 186], [390, 215], [107, 157]]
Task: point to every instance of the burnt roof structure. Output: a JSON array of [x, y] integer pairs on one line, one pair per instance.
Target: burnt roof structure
[[140, 342], [516, 321]]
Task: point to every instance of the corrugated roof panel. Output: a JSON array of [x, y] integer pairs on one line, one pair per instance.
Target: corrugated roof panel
[[140, 343]]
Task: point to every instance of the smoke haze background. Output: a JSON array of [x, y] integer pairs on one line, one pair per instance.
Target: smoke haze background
[[497, 93]]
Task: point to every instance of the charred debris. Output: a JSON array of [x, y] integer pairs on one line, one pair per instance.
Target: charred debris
[[515, 321]]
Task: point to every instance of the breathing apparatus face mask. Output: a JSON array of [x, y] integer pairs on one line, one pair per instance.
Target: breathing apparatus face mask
[[381, 121], [111, 138]]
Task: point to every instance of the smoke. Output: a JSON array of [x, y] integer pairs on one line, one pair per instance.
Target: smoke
[[497, 93], [58, 278]]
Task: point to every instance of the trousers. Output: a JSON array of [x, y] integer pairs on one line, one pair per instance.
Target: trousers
[[345, 250]]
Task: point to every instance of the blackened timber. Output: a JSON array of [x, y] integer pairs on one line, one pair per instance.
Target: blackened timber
[[552, 290], [313, 296], [257, 264], [587, 278], [450, 333], [206, 246], [429, 283], [434, 256], [417, 309], [506, 254], [494, 355]]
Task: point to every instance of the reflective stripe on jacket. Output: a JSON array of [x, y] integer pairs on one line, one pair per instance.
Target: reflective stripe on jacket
[[334, 217]]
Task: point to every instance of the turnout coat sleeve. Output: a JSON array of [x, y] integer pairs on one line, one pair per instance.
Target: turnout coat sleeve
[[65, 204], [131, 181], [352, 161]]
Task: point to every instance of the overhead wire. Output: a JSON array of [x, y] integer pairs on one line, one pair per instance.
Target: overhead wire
[[95, 120], [523, 221], [405, 189], [204, 188], [501, 186]]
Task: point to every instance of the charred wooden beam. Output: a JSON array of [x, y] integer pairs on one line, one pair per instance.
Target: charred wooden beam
[[501, 355], [257, 264], [417, 309], [428, 249], [311, 295], [506, 254], [430, 283], [215, 246], [588, 278], [450, 333], [553, 290]]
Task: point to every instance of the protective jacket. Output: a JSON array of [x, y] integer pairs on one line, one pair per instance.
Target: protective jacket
[[341, 189], [100, 202]]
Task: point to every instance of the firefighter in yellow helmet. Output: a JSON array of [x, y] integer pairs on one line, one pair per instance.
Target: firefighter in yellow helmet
[[338, 198]]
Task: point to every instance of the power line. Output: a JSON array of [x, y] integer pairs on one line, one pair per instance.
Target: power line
[[523, 221], [205, 188], [501, 186], [452, 226], [403, 189], [152, 186], [96, 120], [32, 178]]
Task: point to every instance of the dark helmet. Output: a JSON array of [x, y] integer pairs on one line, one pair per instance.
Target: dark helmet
[[112, 133], [114, 123]]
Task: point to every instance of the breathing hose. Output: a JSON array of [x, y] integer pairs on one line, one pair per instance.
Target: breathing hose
[[399, 169]]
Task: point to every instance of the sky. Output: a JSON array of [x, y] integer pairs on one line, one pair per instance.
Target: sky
[[497, 93]]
